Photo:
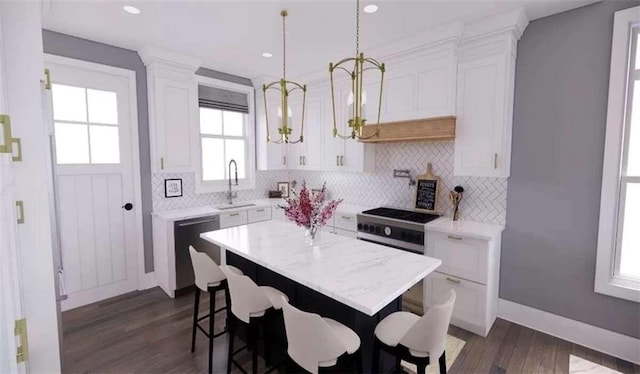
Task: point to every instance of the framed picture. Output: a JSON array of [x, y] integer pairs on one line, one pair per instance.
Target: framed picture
[[283, 187], [173, 187]]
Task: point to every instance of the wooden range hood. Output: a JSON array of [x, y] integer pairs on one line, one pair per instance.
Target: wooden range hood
[[435, 128]]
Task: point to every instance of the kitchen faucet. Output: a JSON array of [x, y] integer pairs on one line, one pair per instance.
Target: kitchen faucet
[[231, 195]]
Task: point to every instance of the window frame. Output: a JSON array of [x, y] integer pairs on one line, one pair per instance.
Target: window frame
[[608, 281], [247, 183]]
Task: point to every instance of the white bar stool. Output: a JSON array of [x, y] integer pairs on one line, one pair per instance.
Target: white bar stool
[[315, 342], [249, 304], [415, 339], [209, 278]]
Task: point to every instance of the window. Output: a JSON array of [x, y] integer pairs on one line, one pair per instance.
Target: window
[[225, 133], [222, 139], [86, 125], [618, 258]]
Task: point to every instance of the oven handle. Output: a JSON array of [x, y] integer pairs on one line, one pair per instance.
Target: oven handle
[[390, 245]]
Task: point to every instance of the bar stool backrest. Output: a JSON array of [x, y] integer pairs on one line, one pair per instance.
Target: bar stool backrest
[[205, 270], [247, 298], [429, 333], [310, 338]]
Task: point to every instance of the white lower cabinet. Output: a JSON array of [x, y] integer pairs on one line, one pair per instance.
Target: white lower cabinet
[[233, 219], [471, 267], [469, 309], [259, 215]]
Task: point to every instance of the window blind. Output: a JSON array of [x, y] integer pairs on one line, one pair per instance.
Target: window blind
[[217, 98]]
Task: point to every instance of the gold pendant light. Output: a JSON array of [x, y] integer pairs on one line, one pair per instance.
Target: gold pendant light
[[357, 97], [286, 88]]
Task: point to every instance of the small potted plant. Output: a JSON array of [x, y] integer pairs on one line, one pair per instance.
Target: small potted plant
[[309, 210]]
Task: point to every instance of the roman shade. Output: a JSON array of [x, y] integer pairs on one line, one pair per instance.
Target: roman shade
[[217, 98]]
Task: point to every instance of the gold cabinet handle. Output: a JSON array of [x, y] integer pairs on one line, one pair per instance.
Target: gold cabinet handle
[[495, 160], [234, 214], [5, 121], [161, 163], [259, 210], [285, 160], [20, 206], [304, 160], [453, 280], [341, 160], [454, 237], [346, 217], [337, 160], [18, 144]]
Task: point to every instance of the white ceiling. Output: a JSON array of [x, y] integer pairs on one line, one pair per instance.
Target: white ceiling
[[230, 36]]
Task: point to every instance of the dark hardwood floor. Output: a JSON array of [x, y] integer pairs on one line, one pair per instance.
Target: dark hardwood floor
[[147, 332]]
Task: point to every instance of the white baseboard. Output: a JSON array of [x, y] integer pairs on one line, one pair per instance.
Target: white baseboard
[[599, 339], [147, 281]]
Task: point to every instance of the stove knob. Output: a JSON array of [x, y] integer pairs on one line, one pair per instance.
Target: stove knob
[[366, 227], [387, 231], [359, 226], [378, 229], [371, 228]]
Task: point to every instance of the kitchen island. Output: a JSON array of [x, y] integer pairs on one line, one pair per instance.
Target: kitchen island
[[355, 282]]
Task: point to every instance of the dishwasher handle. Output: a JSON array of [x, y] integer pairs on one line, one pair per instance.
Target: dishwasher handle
[[191, 223]]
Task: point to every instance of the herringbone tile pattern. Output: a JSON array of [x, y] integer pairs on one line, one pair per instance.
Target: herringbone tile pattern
[[485, 199]]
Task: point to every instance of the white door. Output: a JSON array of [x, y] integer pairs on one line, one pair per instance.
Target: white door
[[11, 306], [93, 126]]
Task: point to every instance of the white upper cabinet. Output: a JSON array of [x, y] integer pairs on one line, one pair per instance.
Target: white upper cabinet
[[481, 125], [173, 109], [269, 156]]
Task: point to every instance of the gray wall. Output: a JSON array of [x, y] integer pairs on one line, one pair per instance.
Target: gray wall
[[553, 201], [87, 50]]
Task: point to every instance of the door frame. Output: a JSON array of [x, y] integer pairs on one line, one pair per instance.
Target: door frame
[[143, 281]]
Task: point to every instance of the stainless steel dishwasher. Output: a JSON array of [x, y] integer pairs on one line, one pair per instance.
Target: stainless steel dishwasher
[[187, 233]]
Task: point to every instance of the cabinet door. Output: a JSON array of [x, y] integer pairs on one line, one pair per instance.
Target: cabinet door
[[296, 151], [333, 146], [314, 132], [483, 98], [470, 306], [175, 112], [269, 156]]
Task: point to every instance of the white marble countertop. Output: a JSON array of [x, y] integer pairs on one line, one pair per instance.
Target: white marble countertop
[[180, 214], [478, 230], [362, 275], [202, 211]]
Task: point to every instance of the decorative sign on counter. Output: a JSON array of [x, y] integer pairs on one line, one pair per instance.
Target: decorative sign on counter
[[427, 191]]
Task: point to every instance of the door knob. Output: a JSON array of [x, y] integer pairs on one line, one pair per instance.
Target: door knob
[[128, 206]]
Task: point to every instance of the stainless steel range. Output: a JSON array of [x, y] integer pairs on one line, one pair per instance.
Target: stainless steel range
[[400, 229]]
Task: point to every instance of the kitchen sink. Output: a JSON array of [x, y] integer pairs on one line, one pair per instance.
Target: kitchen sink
[[233, 206]]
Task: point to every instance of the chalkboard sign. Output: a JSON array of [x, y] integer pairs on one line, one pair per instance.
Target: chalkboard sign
[[427, 191]]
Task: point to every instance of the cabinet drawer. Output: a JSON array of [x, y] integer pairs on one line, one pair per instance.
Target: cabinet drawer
[[260, 214], [349, 234], [346, 221], [469, 307], [461, 256], [233, 219]]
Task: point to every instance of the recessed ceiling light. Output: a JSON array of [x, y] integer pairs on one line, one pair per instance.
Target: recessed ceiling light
[[267, 55], [131, 9], [371, 8]]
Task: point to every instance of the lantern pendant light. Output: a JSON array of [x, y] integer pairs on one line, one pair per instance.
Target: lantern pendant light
[[285, 87], [357, 98]]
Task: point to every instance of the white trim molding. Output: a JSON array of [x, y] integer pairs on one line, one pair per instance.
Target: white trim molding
[[606, 280], [599, 339], [247, 183]]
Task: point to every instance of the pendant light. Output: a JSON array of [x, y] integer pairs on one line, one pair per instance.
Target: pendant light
[[357, 99], [285, 87]]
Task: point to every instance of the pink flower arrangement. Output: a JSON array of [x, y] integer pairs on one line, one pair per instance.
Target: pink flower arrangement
[[308, 209]]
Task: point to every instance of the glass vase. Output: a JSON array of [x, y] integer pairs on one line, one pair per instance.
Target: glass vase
[[312, 235]]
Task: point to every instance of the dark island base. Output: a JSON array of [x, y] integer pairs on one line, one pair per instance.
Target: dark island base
[[309, 300]]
